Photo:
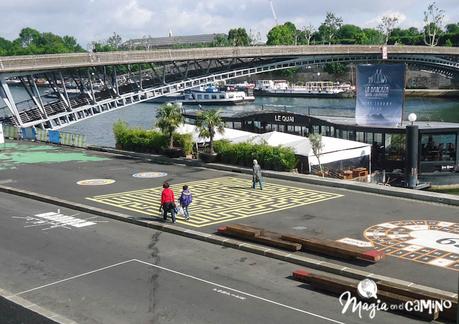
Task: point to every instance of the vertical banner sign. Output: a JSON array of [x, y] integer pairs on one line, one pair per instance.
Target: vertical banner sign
[[380, 94], [2, 138]]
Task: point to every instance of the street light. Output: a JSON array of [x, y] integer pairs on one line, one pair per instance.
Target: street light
[[412, 118]]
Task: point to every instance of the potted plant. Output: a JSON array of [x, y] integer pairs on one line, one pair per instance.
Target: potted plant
[[208, 123], [168, 119]]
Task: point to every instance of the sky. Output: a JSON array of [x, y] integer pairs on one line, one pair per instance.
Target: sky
[[96, 20]]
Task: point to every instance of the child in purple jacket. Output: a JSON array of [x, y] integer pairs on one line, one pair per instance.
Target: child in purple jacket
[[185, 200]]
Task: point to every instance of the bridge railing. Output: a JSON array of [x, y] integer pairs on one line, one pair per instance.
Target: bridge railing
[[61, 61]]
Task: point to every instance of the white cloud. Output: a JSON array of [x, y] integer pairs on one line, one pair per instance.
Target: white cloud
[[133, 15], [377, 20]]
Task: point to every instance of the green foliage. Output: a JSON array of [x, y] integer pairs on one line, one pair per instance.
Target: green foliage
[[148, 141], [168, 118], [271, 158], [184, 141], [282, 35], [238, 37], [335, 68], [220, 41], [31, 41], [348, 32], [330, 27], [207, 123], [137, 139]]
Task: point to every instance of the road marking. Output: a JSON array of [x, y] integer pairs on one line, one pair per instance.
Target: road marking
[[57, 220], [227, 293], [219, 200], [238, 291], [74, 277]]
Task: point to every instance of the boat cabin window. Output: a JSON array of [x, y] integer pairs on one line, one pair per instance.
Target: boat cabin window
[[206, 96], [395, 147], [199, 96], [441, 147], [222, 96], [214, 96]]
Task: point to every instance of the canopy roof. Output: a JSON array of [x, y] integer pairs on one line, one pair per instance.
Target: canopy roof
[[334, 149]]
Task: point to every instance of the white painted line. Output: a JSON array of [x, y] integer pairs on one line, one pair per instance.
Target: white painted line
[[238, 291], [74, 277]]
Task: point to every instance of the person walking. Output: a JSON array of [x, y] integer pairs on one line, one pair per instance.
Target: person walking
[[185, 200], [256, 175], [168, 202]]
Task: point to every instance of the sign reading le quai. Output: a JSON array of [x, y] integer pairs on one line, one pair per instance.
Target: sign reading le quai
[[284, 118]]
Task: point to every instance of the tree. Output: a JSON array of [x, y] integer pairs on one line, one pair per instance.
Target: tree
[[452, 28], [114, 41], [238, 37], [220, 41], [317, 147], [369, 36], [330, 27], [29, 36], [282, 34], [208, 123], [433, 23], [308, 32], [335, 68], [168, 118], [348, 33], [387, 25]]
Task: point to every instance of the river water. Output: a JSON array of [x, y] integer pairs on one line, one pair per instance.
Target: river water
[[98, 130]]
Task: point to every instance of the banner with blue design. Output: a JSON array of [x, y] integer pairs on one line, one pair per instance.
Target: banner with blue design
[[380, 94]]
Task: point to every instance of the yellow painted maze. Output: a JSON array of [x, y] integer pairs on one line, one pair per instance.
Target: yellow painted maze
[[219, 200]]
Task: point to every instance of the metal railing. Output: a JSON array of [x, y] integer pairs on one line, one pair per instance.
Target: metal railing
[[62, 61]]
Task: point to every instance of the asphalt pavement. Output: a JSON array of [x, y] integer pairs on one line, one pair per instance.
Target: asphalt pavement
[[334, 214], [94, 270]]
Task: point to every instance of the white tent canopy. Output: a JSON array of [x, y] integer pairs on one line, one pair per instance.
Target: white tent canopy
[[229, 134], [334, 149]]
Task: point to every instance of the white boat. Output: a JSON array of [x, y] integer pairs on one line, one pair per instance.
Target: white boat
[[209, 95], [318, 89]]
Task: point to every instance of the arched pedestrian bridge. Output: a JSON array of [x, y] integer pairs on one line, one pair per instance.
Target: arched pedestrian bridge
[[113, 80]]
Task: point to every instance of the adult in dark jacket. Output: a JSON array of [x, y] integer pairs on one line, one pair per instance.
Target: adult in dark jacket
[[168, 201], [256, 175]]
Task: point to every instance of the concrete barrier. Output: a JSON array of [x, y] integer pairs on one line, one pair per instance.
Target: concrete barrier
[[15, 309]]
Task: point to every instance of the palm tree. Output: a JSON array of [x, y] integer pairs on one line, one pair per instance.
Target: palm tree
[[208, 123], [168, 118]]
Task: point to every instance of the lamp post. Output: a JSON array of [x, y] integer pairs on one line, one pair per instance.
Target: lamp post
[[412, 136]]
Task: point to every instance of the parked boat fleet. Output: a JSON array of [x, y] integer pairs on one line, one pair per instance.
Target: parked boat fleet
[[236, 94], [230, 94]]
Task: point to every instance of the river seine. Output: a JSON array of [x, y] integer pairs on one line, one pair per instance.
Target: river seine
[[98, 130]]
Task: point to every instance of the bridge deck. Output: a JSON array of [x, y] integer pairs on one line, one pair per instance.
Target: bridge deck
[[65, 61]]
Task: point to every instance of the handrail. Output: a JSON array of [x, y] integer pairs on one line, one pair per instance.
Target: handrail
[[62, 61]]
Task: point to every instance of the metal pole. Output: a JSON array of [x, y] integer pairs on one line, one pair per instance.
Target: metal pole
[[411, 169]]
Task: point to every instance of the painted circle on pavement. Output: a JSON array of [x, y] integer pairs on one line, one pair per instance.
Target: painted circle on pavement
[[95, 182], [426, 241], [149, 175]]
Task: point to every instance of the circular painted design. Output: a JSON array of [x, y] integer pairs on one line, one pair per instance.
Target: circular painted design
[[95, 182], [426, 241], [149, 175]]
